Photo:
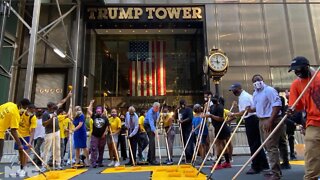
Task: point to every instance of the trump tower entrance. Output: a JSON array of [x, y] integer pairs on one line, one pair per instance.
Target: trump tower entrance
[[138, 55]]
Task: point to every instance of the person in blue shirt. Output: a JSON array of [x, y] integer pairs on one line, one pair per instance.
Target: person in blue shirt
[[132, 124], [196, 123], [267, 105], [150, 126]]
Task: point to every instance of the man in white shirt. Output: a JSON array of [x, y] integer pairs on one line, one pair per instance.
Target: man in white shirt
[[260, 162], [39, 134]]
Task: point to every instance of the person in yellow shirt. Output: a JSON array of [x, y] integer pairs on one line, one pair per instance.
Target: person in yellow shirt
[[9, 117], [64, 121], [27, 125], [115, 126], [143, 137]]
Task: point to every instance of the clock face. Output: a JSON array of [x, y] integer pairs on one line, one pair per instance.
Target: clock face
[[218, 62]]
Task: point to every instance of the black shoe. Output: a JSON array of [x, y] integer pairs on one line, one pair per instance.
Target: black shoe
[[129, 163], [153, 163], [94, 166], [293, 157], [101, 165], [252, 171], [285, 166]]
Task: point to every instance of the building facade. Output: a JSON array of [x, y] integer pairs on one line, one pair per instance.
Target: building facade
[[135, 52]]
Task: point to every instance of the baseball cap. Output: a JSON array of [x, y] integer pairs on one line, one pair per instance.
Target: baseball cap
[[235, 86], [298, 62]]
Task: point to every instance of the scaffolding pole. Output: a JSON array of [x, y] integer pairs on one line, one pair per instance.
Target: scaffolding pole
[[76, 56], [32, 49]]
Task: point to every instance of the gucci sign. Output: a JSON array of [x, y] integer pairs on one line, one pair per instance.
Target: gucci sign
[[50, 90]]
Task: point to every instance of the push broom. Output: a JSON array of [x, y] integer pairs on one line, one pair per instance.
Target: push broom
[[38, 168], [278, 125], [34, 152], [215, 139], [226, 146], [202, 126]]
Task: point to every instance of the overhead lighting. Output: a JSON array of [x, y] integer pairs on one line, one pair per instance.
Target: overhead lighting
[[59, 52]]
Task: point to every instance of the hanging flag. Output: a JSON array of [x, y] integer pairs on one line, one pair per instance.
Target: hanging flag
[[147, 75]]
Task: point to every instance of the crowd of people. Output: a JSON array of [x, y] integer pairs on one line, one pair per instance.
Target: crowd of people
[[199, 126]]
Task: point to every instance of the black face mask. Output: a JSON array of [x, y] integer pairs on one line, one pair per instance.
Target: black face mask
[[236, 92], [215, 101], [302, 72]]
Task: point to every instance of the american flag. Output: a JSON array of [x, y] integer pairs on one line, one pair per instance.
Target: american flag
[[147, 75]]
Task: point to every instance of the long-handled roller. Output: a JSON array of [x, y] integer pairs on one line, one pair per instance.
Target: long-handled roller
[[167, 145], [278, 125], [199, 138], [34, 152], [130, 150], [54, 143], [188, 140], [38, 168], [226, 146], [114, 145], [181, 138], [215, 139]]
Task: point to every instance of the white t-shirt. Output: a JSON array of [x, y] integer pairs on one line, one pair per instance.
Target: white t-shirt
[[39, 130], [245, 100]]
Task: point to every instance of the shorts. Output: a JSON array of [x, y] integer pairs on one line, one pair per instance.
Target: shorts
[[225, 132], [203, 139], [25, 147], [115, 138]]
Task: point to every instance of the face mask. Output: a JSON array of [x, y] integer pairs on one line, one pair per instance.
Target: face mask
[[215, 101], [21, 111], [113, 114], [205, 99], [164, 114], [258, 85], [183, 106], [302, 73], [30, 113], [236, 92], [78, 113]]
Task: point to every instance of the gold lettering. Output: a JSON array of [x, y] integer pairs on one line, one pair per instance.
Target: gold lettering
[[186, 13], [102, 13], [137, 13], [150, 12], [58, 91], [196, 13], [173, 12], [92, 11], [113, 13], [125, 15], [41, 91], [160, 11]]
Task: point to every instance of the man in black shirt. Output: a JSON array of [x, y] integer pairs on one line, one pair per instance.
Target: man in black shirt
[[98, 136], [185, 115]]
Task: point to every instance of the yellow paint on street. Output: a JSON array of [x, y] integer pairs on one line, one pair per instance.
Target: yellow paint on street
[[297, 163], [59, 175], [161, 172]]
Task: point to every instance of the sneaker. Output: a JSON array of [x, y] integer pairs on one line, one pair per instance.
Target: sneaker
[[226, 165], [43, 169], [169, 162], [111, 163], [21, 173], [285, 166], [117, 164], [293, 157], [15, 174], [219, 166], [59, 168]]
